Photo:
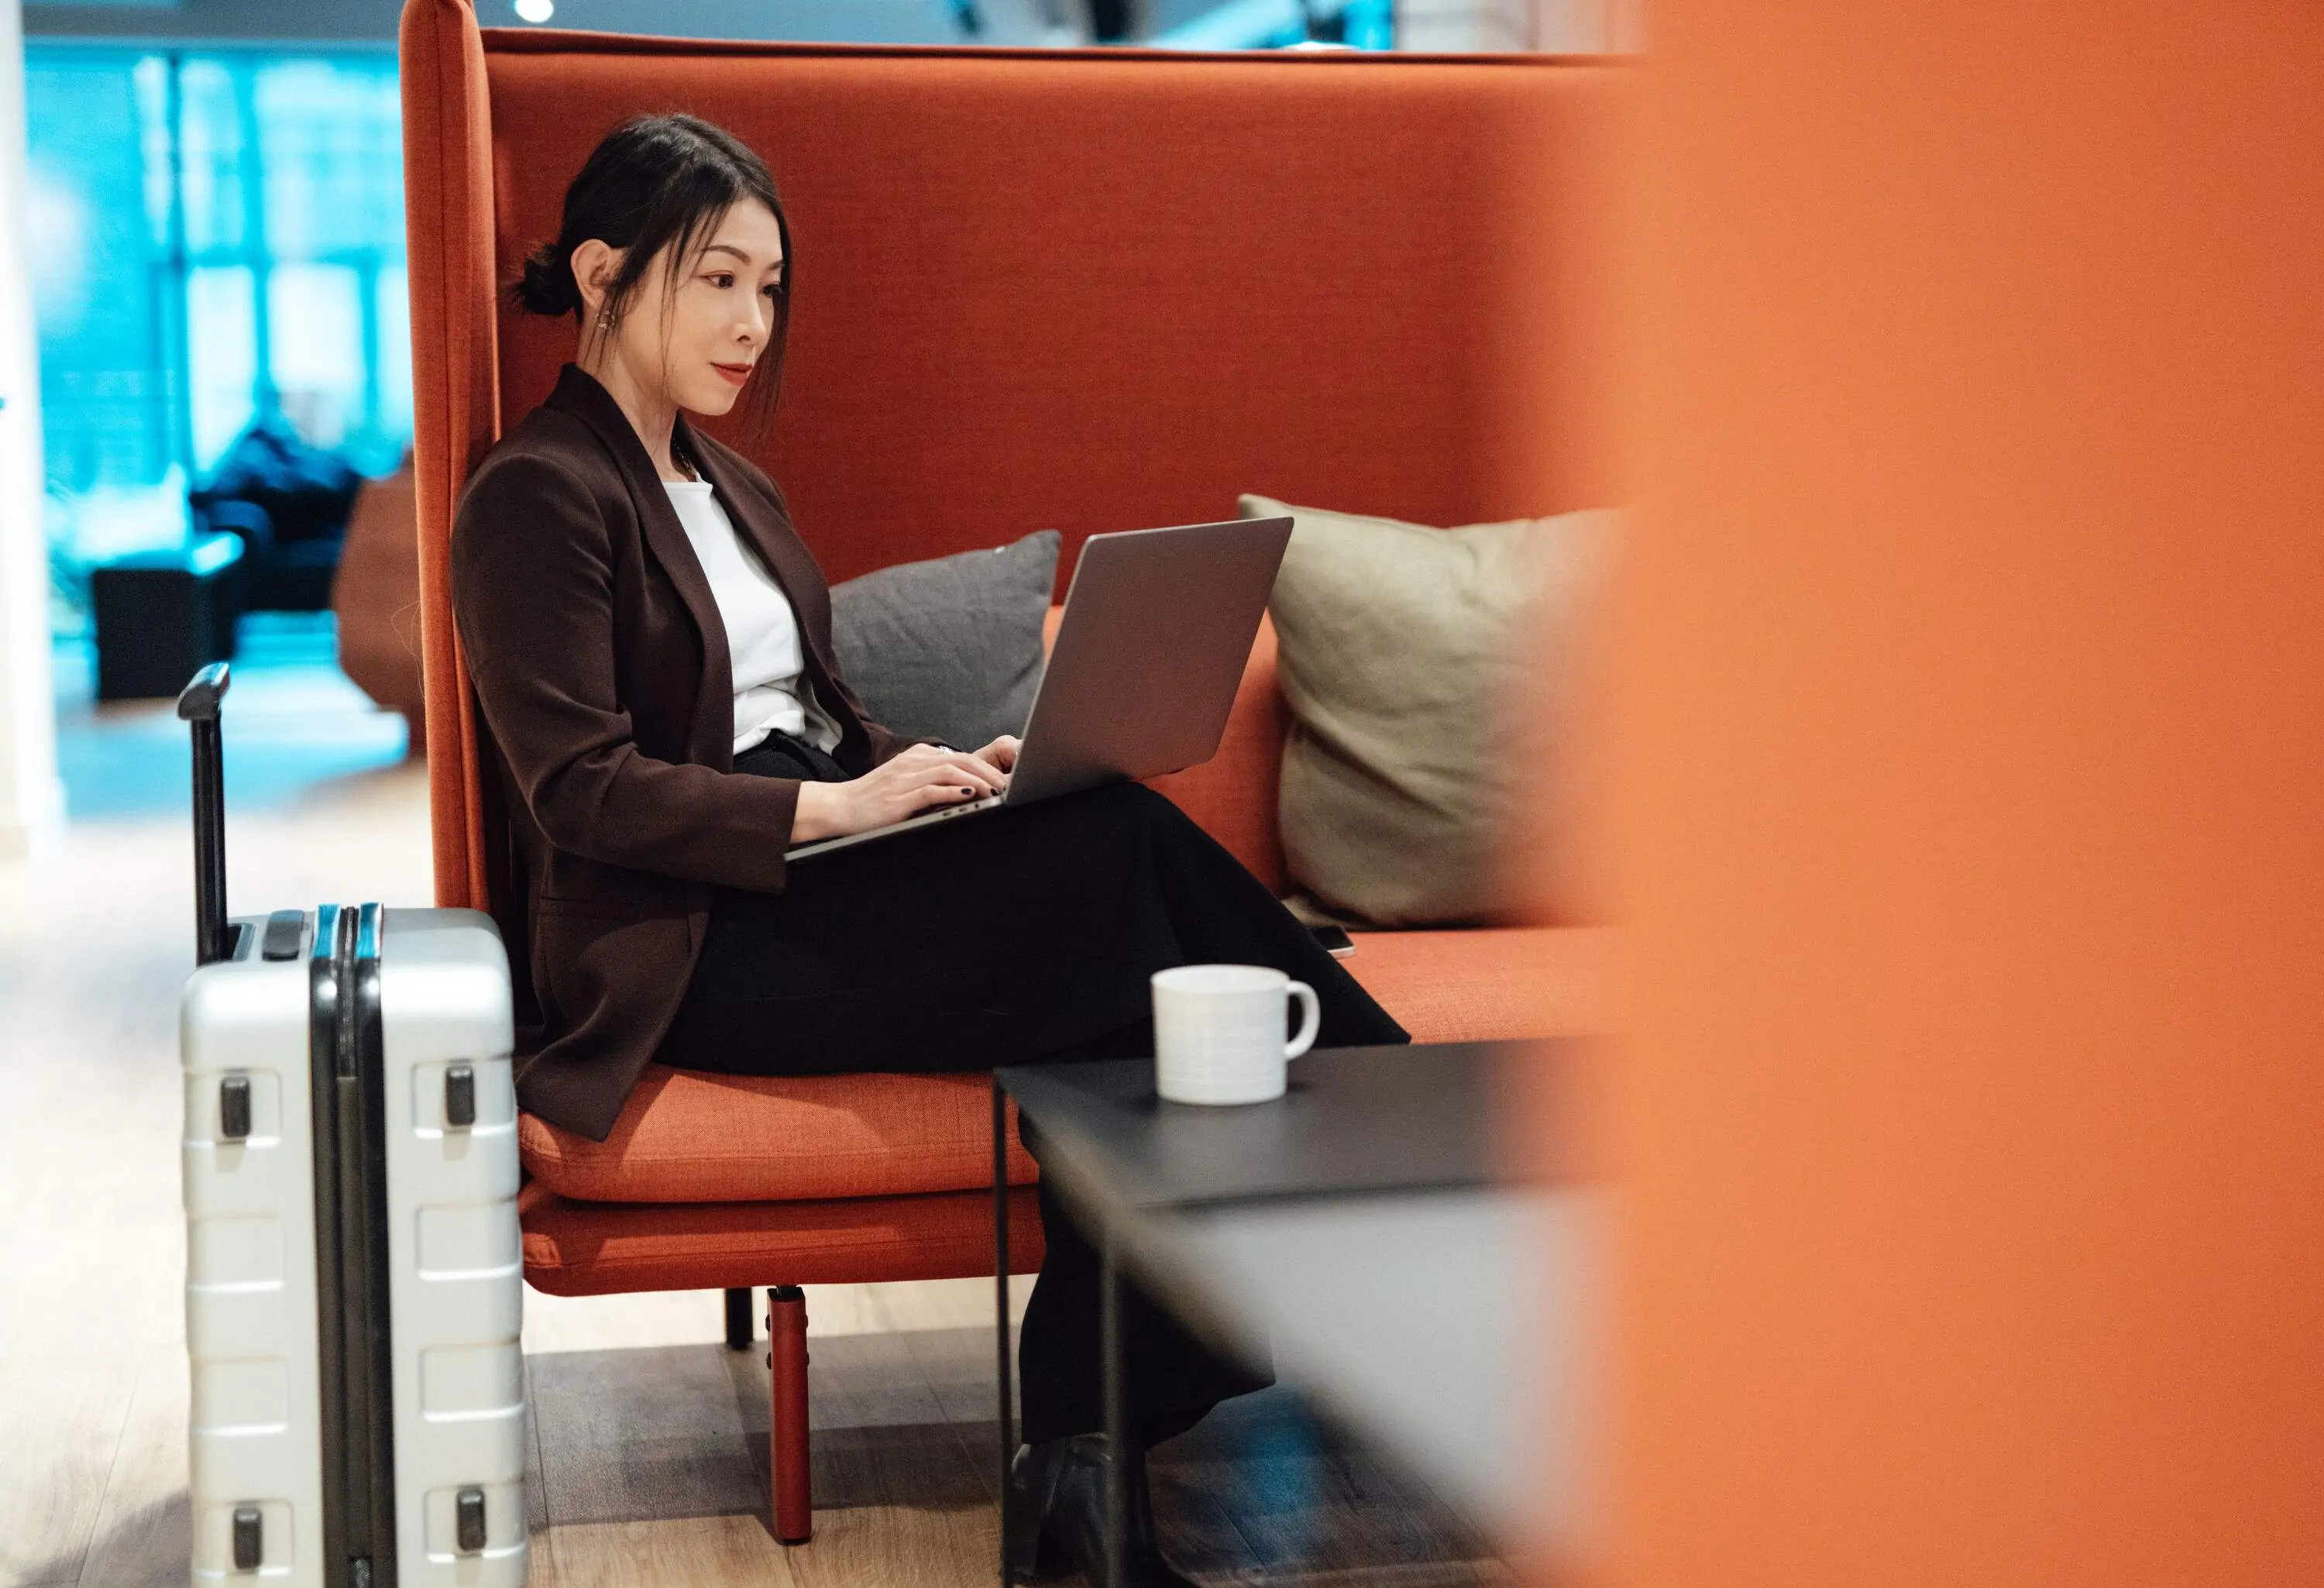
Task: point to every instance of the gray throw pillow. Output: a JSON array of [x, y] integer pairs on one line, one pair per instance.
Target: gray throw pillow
[[949, 649]]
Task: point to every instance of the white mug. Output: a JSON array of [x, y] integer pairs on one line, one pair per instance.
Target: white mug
[[1218, 1032]]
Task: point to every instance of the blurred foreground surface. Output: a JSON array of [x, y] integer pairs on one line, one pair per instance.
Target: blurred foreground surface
[[1974, 1136]]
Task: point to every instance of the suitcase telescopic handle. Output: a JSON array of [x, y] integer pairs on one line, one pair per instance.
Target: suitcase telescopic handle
[[197, 705]]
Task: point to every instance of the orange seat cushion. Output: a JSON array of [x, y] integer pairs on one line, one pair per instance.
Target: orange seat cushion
[[606, 1249], [687, 1137], [1494, 982]]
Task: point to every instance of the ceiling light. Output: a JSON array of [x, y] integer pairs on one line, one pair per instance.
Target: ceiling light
[[536, 9]]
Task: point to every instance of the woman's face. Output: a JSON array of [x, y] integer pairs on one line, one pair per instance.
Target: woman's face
[[696, 338]]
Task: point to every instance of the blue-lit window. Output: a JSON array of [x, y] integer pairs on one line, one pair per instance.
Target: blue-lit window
[[217, 236]]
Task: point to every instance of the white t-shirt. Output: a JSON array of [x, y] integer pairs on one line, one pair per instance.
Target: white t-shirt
[[762, 632]]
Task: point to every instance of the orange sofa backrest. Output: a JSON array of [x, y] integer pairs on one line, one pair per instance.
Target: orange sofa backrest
[[1083, 291]]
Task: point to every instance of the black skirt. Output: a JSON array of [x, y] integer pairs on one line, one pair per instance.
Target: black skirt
[[1013, 937], [1003, 938]]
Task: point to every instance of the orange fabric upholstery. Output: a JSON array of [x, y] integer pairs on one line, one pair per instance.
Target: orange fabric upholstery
[[1492, 982], [690, 1137], [455, 410], [605, 1248]]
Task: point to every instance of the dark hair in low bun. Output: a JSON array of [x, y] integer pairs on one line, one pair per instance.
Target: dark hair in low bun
[[547, 286], [658, 183]]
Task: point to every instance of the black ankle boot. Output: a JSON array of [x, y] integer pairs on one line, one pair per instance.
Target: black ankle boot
[[1056, 1510], [1032, 1488]]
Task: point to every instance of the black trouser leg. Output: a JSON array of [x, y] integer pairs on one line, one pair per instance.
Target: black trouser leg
[[1174, 1377]]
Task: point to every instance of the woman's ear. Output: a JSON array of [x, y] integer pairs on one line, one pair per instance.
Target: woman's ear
[[595, 264]]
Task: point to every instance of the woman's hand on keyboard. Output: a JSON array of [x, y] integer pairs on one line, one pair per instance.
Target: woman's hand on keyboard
[[922, 778]]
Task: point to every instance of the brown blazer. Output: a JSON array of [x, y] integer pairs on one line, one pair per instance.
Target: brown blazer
[[606, 695]]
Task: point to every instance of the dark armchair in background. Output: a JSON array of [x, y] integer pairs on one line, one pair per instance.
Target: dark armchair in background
[[289, 503]]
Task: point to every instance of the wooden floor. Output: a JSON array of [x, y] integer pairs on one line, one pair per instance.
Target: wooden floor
[[650, 1438]]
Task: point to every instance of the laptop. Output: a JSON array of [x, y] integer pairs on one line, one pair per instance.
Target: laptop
[[1148, 655]]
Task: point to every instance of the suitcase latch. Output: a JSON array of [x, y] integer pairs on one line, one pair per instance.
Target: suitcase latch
[[233, 1118], [284, 931], [249, 1539], [468, 1511], [460, 1095]]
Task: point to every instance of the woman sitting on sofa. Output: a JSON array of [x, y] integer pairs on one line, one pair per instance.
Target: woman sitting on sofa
[[650, 644]]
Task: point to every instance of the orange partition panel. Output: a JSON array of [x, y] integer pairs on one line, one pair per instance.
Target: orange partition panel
[[1975, 1121]]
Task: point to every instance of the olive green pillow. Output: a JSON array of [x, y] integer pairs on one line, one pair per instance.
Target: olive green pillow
[[1403, 649]]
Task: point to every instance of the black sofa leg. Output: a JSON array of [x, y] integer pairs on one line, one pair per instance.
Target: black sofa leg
[[739, 1323]]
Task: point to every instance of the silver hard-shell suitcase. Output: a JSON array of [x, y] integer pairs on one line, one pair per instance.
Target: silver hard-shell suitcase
[[354, 1277]]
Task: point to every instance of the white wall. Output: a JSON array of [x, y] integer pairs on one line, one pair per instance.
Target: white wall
[[32, 800], [1463, 27], [1586, 27], [1560, 27]]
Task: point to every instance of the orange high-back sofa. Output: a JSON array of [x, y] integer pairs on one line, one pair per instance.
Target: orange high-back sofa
[[1086, 291]]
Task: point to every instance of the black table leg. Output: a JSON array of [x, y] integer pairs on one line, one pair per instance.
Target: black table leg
[[1000, 1311], [1116, 1418]]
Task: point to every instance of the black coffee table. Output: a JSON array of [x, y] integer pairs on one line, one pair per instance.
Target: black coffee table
[[1370, 1225]]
